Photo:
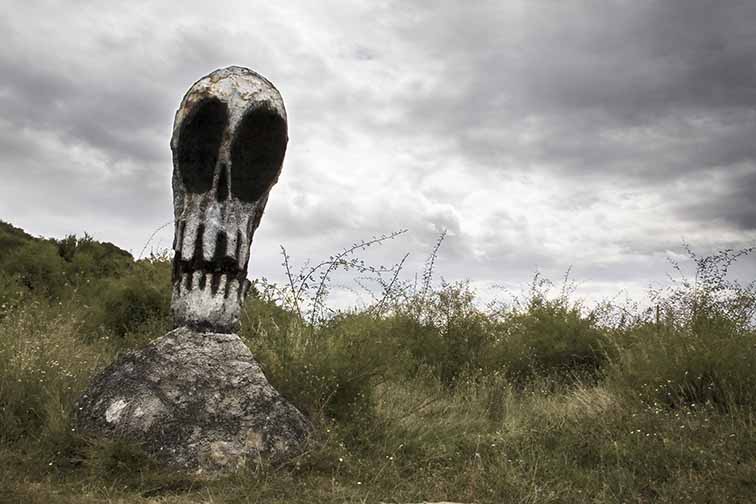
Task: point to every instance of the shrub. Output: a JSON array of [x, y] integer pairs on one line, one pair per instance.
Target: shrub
[[672, 367], [551, 338], [556, 338], [135, 302], [11, 238], [38, 268], [11, 293], [698, 345], [90, 259], [129, 304], [328, 371], [445, 331]]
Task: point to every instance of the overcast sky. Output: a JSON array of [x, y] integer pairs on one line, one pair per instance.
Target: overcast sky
[[541, 134]]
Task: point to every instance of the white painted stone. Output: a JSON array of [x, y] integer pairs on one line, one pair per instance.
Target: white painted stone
[[113, 413], [224, 166]]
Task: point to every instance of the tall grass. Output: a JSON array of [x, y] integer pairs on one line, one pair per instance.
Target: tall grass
[[423, 395], [44, 367], [700, 347]]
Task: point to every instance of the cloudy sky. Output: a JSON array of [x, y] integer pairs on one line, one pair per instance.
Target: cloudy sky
[[541, 134]]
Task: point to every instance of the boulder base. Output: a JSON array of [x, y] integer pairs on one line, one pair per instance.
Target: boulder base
[[196, 401]]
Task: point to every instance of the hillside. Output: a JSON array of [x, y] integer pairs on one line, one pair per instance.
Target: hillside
[[421, 396]]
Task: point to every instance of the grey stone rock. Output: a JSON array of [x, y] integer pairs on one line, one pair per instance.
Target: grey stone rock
[[196, 401]]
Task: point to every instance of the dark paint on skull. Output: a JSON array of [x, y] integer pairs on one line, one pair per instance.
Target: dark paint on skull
[[259, 147], [201, 137], [229, 142]]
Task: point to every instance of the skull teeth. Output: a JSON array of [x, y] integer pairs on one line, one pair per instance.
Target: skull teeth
[[213, 284], [182, 282], [209, 260], [243, 255], [196, 279], [222, 284], [232, 244], [232, 288], [194, 241]]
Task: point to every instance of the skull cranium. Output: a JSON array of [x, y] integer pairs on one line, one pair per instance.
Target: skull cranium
[[229, 140]]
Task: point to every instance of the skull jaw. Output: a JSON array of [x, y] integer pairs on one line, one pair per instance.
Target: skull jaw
[[201, 310], [212, 246], [210, 264]]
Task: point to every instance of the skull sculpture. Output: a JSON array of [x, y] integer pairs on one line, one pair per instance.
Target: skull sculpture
[[228, 143]]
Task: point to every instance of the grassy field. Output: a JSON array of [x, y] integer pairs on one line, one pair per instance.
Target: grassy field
[[422, 396]]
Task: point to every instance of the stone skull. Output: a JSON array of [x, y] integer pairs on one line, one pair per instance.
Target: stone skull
[[229, 140]]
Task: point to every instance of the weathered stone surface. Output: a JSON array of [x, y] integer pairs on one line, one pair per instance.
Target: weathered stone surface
[[229, 141], [194, 400]]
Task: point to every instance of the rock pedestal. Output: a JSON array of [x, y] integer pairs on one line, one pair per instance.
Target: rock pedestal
[[196, 401]]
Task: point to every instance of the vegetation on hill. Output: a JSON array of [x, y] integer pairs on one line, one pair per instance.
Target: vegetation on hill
[[421, 395]]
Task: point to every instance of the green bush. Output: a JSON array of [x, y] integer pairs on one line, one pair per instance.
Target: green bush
[[12, 238], [551, 337], [38, 268], [445, 332], [11, 293], [135, 302], [90, 259], [330, 371], [700, 346], [58, 269], [676, 368]]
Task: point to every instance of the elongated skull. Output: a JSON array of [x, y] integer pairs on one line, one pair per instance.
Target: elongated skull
[[228, 143]]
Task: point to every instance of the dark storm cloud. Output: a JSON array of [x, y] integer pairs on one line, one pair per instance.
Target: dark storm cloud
[[120, 118], [640, 93], [599, 66], [726, 196]]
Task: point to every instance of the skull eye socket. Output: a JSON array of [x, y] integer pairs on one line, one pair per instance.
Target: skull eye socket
[[257, 152], [199, 141]]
